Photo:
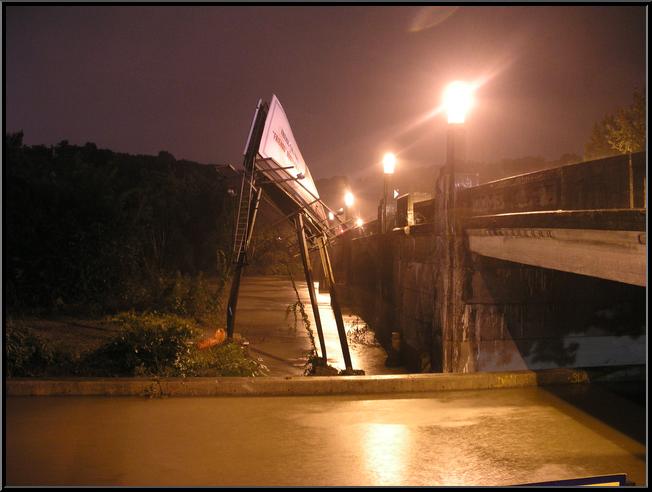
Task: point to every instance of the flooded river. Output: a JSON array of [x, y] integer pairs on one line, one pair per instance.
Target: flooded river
[[487, 437], [261, 318]]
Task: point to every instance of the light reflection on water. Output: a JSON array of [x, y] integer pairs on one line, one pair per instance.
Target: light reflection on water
[[365, 354], [331, 337], [385, 447]]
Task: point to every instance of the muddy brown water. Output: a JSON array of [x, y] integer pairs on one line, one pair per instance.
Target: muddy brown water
[[487, 437]]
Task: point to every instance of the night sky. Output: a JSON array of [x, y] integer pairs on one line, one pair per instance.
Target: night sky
[[354, 81]]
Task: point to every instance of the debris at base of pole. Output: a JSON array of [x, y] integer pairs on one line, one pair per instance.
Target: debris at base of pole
[[217, 339]]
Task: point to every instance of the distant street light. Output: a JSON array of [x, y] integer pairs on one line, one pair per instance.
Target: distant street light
[[389, 165], [331, 216], [359, 222], [349, 199]]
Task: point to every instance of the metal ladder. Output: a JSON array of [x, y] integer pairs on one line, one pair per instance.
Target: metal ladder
[[247, 192]]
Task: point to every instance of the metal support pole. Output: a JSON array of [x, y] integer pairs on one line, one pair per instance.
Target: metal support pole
[[233, 300], [249, 164], [242, 261], [307, 269], [335, 305], [324, 284], [383, 225]]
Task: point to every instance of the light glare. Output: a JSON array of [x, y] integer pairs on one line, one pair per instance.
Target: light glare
[[458, 99], [389, 163], [349, 199]]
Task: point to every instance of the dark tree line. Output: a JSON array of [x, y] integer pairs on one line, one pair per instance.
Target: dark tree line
[[88, 227]]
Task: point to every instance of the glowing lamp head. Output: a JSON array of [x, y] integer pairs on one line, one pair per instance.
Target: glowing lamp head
[[348, 199], [389, 163], [331, 216], [358, 222], [458, 99]]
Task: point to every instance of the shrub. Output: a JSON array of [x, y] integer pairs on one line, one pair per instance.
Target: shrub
[[25, 353], [229, 359], [149, 344], [155, 344]]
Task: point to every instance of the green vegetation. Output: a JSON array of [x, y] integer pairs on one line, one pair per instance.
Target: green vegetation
[[93, 233], [152, 344], [361, 334], [298, 310], [271, 251], [26, 354], [622, 132], [97, 232]]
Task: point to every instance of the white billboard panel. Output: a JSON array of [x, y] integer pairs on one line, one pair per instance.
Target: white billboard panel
[[283, 160]]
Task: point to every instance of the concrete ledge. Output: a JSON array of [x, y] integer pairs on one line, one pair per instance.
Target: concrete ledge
[[290, 386]]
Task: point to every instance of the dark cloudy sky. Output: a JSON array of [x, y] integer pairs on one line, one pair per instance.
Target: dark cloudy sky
[[354, 81]]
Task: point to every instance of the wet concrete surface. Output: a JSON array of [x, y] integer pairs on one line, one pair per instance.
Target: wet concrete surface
[[486, 437], [261, 319]]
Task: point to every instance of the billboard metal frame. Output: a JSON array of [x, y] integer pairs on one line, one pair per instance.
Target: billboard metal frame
[[300, 205]]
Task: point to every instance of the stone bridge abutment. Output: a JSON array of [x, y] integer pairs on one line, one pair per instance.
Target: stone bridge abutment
[[505, 290]]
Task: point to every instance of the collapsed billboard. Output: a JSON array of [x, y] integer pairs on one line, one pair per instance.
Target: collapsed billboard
[[289, 182]]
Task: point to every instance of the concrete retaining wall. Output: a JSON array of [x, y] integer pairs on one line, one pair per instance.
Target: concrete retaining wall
[[289, 386]]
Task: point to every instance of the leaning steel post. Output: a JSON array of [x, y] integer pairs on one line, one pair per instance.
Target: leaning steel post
[[335, 305], [240, 260], [303, 247], [239, 267]]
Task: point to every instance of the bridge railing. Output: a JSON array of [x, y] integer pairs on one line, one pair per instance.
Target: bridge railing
[[591, 185]]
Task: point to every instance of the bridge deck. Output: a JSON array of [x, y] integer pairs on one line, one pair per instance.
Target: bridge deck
[[607, 244]]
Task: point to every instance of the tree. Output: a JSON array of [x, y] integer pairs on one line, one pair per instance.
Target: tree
[[627, 132], [619, 133]]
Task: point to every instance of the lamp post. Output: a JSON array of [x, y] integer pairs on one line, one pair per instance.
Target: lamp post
[[389, 165], [458, 98]]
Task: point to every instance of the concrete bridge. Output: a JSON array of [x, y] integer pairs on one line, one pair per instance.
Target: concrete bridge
[[540, 270], [574, 218]]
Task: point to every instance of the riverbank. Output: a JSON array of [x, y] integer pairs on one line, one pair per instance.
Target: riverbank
[[263, 324]]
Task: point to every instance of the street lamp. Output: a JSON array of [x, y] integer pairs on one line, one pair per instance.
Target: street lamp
[[389, 165], [458, 99], [349, 200], [359, 222]]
